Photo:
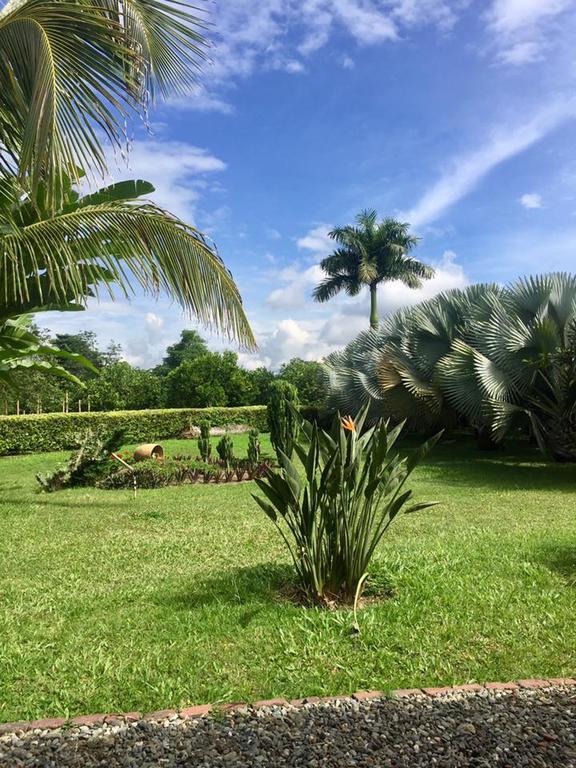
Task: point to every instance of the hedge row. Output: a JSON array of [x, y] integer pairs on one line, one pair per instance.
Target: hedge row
[[58, 431]]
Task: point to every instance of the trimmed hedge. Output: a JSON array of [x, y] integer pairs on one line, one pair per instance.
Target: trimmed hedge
[[58, 431]]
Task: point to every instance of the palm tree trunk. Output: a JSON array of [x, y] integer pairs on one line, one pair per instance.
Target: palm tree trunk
[[373, 305]]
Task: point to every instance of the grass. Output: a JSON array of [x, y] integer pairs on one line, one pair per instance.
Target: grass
[[111, 604]]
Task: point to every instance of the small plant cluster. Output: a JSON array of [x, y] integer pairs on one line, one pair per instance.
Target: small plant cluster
[[333, 517], [87, 464], [179, 470]]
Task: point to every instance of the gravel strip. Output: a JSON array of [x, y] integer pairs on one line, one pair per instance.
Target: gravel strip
[[487, 729]]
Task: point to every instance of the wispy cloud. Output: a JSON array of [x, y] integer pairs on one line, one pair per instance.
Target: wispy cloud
[[316, 241], [467, 171], [521, 29], [531, 200], [177, 169], [276, 34]]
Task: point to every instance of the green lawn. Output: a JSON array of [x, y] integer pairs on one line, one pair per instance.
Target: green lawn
[[112, 604]]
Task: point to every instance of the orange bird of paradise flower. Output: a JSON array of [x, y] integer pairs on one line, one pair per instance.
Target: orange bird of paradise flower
[[348, 423]]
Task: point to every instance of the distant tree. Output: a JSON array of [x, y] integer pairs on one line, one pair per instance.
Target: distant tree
[[370, 253], [122, 387], [189, 347], [308, 378], [262, 379], [112, 354], [213, 379], [84, 343]]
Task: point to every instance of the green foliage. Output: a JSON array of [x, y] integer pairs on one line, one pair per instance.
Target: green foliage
[[369, 253], [225, 450], [85, 344], [204, 444], [490, 357], [52, 432], [188, 348], [213, 379], [309, 378], [283, 420], [122, 387], [354, 487], [22, 351], [86, 463], [152, 473], [254, 447]]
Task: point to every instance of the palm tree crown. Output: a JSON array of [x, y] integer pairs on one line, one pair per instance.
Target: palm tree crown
[[369, 253]]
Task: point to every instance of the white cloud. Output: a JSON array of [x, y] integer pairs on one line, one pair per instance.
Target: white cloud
[[348, 62], [298, 289], [506, 16], [466, 172], [154, 322], [316, 241], [176, 169], [531, 200], [523, 30], [202, 100], [334, 324], [294, 67], [526, 52], [268, 34]]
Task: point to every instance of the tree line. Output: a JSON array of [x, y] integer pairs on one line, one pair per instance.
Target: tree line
[[189, 376]]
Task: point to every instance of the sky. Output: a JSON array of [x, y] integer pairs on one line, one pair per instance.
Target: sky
[[458, 116]]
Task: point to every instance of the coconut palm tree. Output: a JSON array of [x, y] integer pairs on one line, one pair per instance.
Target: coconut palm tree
[[111, 238], [71, 75], [370, 253]]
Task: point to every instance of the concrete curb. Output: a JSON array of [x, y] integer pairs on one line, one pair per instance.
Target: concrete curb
[[205, 709]]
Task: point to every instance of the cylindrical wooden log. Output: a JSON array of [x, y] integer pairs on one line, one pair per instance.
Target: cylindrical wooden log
[[149, 451]]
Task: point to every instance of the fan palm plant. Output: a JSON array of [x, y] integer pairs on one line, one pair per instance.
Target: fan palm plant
[[370, 253], [487, 355]]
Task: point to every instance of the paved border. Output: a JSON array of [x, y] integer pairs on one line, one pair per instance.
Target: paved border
[[205, 709]]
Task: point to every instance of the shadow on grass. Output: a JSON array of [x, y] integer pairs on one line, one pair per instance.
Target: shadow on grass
[[54, 500], [518, 468], [258, 586], [236, 586], [561, 559]]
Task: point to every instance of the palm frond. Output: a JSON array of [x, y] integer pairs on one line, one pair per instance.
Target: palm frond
[[53, 260], [71, 73]]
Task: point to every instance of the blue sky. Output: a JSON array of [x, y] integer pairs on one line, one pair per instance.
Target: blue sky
[[458, 116]]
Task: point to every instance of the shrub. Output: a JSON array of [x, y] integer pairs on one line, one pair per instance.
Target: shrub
[[352, 490], [204, 444], [283, 417], [59, 431], [86, 464], [225, 450], [254, 448]]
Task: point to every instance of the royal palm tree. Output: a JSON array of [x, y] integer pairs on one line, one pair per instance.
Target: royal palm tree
[[370, 253], [72, 72]]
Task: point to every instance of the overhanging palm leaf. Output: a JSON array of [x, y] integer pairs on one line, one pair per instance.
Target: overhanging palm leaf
[[109, 238], [20, 349], [72, 71]]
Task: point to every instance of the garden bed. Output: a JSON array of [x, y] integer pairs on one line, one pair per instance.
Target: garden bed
[[179, 470]]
